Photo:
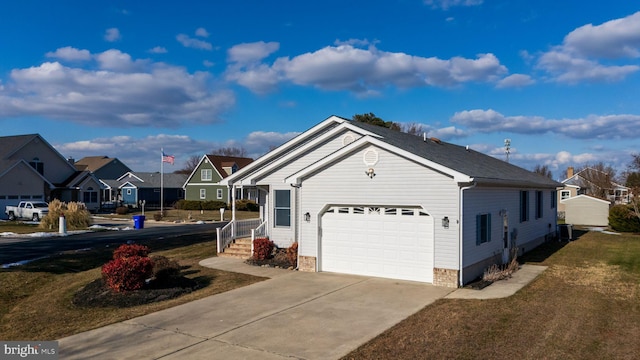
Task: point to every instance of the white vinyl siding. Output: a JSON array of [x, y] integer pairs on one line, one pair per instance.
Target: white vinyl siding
[[398, 182]]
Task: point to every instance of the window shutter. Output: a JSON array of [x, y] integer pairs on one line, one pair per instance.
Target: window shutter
[[488, 227], [478, 229]]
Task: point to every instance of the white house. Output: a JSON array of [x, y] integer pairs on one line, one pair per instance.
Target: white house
[[367, 200]]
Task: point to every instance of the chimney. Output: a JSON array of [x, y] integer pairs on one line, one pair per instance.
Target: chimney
[[569, 172], [71, 161]]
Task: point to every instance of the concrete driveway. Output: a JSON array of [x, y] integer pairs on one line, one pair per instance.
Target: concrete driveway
[[292, 315]]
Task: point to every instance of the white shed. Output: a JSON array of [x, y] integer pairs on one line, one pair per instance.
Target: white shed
[[586, 210]]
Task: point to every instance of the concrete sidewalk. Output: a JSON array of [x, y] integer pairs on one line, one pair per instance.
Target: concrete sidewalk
[[503, 288]]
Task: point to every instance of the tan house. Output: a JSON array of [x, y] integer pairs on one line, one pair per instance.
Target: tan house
[[32, 169]]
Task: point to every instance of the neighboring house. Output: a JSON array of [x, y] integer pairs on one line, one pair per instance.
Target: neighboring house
[[580, 184], [137, 186], [366, 200], [31, 169], [106, 169], [586, 210], [204, 182]]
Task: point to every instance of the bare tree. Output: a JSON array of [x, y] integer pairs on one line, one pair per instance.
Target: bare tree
[[543, 170], [230, 151], [596, 180], [633, 182], [412, 128], [189, 165]]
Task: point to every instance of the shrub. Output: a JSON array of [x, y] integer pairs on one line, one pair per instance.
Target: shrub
[[262, 248], [292, 254], [246, 205], [122, 210], [127, 250], [188, 205], [157, 216], [213, 205], [76, 215], [164, 269], [622, 218], [127, 273]]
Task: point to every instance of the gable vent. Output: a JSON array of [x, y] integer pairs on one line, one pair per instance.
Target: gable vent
[[370, 157], [348, 139]]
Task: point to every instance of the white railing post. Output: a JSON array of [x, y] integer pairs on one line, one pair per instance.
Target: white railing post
[[218, 240], [253, 237]]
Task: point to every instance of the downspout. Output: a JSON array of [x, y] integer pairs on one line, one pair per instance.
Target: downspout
[[460, 227]]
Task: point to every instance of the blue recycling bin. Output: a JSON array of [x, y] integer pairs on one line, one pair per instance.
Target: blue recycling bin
[[138, 222]]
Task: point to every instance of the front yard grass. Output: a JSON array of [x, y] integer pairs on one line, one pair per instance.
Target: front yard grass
[[35, 299], [586, 305], [172, 215]]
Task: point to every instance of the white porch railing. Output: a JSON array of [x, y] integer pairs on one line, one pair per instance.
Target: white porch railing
[[234, 230]]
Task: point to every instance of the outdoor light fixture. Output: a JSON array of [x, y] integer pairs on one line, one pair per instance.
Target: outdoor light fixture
[[307, 217], [370, 173], [445, 222]]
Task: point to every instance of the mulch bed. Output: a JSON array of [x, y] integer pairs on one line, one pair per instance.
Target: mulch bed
[[278, 260], [98, 294]]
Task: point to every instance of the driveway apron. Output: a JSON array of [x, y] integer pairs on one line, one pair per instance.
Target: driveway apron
[[292, 315]]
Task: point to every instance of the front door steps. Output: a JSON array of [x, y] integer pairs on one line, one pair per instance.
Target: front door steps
[[239, 248]]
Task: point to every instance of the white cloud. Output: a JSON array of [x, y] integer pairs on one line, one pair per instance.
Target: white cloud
[[190, 42], [112, 34], [202, 32], [208, 63], [604, 127], [158, 50], [70, 54], [447, 4], [618, 38], [515, 80], [122, 92], [258, 143], [580, 56], [251, 52], [362, 71]]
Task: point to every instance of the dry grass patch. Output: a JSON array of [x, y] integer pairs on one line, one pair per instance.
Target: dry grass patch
[[36, 299], [585, 306]]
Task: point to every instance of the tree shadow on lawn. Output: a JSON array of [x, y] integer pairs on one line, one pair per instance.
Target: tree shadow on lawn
[[74, 261], [544, 251]]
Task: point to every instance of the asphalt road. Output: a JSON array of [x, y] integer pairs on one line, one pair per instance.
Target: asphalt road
[[14, 250]]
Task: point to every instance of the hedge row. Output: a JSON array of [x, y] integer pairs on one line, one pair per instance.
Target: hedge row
[[199, 205]]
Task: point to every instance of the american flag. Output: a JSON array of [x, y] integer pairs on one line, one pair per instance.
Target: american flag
[[168, 158]]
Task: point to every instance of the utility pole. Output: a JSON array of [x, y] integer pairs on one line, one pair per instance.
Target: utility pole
[[507, 147]]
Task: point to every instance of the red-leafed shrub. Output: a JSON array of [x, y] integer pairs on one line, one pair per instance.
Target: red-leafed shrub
[[127, 273], [262, 248], [292, 254], [125, 251]]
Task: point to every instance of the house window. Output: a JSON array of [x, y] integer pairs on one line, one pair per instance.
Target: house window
[[128, 191], [524, 206], [205, 174], [565, 194], [538, 204], [38, 165], [483, 228], [90, 196], [554, 198], [282, 208], [219, 194], [203, 193]]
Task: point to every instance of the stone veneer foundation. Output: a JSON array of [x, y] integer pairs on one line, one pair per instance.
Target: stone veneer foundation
[[445, 277], [307, 263]]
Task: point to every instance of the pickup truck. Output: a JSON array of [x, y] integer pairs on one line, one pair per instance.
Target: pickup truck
[[33, 210]]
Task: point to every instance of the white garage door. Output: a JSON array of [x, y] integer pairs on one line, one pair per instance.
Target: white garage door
[[393, 242]]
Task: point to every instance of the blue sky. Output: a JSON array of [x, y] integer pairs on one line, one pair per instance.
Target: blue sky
[[561, 79]]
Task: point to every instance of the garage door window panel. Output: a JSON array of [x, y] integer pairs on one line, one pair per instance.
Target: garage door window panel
[[282, 208]]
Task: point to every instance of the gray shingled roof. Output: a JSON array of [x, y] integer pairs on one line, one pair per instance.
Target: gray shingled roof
[[152, 180], [483, 168]]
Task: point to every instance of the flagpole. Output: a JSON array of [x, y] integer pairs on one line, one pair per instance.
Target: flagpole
[[162, 182]]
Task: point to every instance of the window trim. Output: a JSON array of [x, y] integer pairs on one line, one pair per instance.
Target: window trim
[[203, 194], [206, 175], [278, 221], [219, 194], [565, 194]]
